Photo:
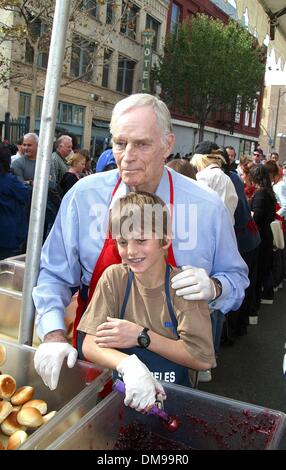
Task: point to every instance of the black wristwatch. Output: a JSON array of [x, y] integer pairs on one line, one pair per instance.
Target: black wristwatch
[[218, 287], [144, 339]]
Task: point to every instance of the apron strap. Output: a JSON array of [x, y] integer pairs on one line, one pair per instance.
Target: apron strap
[[126, 296], [168, 299]]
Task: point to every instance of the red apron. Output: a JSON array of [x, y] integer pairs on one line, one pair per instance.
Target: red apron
[[109, 255]]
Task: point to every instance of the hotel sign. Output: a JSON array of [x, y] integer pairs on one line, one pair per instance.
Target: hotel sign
[[147, 35]]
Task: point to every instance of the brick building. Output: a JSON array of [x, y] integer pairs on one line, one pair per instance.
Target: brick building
[[243, 133], [85, 105]]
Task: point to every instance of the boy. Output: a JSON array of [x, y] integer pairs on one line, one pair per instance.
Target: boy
[[134, 323]]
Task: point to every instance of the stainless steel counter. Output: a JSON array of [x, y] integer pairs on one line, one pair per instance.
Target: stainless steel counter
[[11, 286], [75, 387]]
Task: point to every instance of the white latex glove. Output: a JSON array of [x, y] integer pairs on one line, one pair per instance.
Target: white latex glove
[[284, 365], [49, 358], [194, 284], [140, 387]]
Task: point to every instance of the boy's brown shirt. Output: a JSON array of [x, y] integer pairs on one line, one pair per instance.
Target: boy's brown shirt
[[148, 307]]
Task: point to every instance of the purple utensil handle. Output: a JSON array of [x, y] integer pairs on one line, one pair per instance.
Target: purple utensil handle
[[119, 386]]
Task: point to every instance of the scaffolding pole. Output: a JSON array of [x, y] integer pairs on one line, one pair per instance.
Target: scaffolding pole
[[42, 170]]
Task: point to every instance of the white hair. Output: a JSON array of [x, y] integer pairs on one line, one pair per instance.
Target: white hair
[[139, 100], [32, 135], [61, 140]]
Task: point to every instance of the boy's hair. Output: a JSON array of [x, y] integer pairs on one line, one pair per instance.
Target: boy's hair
[[140, 214]]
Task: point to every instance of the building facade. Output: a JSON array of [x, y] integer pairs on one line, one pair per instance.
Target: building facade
[[106, 50], [273, 121], [243, 133]]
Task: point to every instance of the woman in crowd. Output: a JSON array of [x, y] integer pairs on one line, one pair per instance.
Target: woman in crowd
[[76, 161], [263, 206]]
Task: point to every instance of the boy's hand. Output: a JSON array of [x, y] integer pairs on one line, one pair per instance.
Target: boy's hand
[[116, 333], [141, 388]]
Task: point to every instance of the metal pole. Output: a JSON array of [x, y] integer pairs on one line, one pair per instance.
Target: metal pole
[[42, 170]]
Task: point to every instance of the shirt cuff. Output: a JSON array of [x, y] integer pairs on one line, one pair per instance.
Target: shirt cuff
[[226, 291], [50, 321]]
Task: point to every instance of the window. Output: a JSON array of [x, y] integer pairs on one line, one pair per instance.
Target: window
[[125, 75], [81, 58], [25, 103], [89, 6], [254, 114], [246, 118], [151, 23], [238, 110], [70, 113], [106, 62], [129, 20], [175, 19], [110, 13], [39, 30], [67, 113], [39, 106]]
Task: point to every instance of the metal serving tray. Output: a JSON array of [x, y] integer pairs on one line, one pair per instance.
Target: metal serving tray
[[76, 385]]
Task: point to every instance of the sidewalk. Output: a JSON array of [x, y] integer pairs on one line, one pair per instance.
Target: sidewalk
[[251, 369]]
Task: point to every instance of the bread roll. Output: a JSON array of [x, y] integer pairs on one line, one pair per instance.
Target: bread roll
[[5, 409], [16, 440], [40, 405], [1, 446], [49, 416], [11, 425], [2, 354], [22, 395], [4, 440], [30, 417], [7, 386], [17, 408]]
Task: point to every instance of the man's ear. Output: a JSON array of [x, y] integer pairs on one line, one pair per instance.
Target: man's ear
[[170, 138]]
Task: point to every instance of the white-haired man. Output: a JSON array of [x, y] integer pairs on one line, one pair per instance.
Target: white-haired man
[[24, 166], [78, 249]]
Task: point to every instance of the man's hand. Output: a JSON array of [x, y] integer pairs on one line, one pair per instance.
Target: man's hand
[[141, 388], [116, 333], [194, 284], [49, 358]]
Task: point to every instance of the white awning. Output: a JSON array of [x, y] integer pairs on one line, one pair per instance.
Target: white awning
[[261, 13]]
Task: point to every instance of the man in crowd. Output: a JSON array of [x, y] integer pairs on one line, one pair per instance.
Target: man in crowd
[[20, 151], [79, 249], [24, 166], [59, 166], [232, 158]]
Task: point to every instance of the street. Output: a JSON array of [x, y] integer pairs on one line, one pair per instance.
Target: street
[[250, 370]]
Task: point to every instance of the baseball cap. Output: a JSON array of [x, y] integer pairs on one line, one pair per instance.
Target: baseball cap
[[105, 159]]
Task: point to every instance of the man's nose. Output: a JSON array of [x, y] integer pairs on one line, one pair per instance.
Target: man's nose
[[129, 152]]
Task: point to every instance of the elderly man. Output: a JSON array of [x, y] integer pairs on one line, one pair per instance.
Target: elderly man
[[59, 166], [24, 166], [79, 249]]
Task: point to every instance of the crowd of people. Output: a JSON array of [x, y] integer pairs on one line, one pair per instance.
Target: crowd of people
[[17, 172], [157, 296]]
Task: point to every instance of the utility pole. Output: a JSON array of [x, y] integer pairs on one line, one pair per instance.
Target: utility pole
[[280, 94]]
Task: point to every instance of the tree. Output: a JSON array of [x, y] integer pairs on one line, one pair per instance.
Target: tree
[[209, 67], [30, 33]]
